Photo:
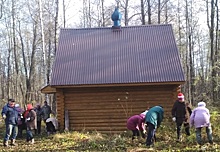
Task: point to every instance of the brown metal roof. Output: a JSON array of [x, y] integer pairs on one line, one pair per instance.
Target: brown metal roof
[[135, 54]]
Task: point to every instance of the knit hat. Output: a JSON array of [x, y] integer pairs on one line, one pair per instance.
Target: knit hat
[[201, 104], [17, 105], [180, 96]]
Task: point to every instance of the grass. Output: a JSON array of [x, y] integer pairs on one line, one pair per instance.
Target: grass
[[76, 141]]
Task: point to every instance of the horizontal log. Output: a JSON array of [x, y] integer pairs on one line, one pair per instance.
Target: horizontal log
[[118, 88], [114, 96], [107, 106], [99, 120], [97, 127]]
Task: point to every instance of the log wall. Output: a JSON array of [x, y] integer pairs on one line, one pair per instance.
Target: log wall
[[107, 109]]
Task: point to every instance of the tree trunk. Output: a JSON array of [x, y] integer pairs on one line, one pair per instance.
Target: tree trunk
[[14, 49], [103, 13], [159, 11], [142, 13], [126, 13], [64, 12], [217, 49], [149, 11], [56, 26], [212, 51]]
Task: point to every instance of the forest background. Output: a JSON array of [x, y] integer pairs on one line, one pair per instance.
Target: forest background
[[29, 32]]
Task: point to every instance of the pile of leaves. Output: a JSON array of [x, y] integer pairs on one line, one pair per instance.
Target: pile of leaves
[[95, 141]]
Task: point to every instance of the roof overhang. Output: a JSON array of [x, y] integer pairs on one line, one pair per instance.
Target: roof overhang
[[118, 84], [48, 90]]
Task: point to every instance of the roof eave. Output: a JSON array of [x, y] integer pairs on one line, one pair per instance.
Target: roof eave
[[48, 89], [118, 84]]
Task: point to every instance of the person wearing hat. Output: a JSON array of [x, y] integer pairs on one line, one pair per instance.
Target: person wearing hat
[[135, 123], [31, 122], [21, 122], [10, 115], [181, 112], [200, 118]]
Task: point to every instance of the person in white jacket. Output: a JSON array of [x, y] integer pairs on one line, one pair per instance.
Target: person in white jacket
[[200, 118], [51, 125]]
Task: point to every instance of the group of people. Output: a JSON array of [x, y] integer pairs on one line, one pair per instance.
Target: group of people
[[182, 114], [17, 119], [150, 119]]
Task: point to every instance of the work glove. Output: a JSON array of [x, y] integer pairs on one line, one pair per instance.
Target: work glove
[[174, 119], [144, 131], [28, 119], [4, 116]]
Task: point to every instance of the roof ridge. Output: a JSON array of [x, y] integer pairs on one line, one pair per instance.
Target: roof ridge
[[132, 26]]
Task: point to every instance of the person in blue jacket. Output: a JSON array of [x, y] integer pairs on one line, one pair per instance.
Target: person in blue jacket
[[10, 115], [153, 120]]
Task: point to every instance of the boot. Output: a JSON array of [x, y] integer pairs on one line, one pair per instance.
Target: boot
[[13, 142], [5, 143]]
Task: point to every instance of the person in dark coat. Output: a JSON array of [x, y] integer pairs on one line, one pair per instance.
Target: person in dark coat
[[31, 122], [10, 115], [181, 112], [38, 111], [21, 122], [153, 120], [46, 111]]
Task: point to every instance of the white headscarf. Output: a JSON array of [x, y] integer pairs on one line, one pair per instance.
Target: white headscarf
[[144, 113], [201, 104]]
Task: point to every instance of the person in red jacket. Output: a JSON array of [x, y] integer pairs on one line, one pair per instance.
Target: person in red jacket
[[31, 122]]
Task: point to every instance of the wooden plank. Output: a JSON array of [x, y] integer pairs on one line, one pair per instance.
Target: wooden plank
[[48, 90], [60, 108]]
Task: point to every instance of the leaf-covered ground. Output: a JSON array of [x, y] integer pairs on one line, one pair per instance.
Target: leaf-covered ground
[[75, 141]]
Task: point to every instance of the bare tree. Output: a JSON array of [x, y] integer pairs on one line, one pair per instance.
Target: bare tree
[[64, 14], [149, 11], [56, 25], [211, 26], [1, 8], [142, 13]]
